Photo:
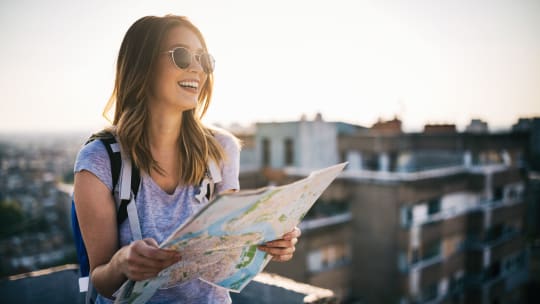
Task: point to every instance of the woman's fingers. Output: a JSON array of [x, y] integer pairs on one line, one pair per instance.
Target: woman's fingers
[[278, 250], [279, 254], [142, 262], [282, 243], [151, 242], [295, 233], [144, 259], [283, 249], [148, 248], [282, 258]]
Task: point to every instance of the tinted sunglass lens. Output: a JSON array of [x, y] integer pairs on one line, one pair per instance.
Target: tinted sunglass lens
[[182, 58], [207, 62]]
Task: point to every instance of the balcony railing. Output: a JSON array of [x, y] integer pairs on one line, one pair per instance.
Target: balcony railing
[[479, 244], [306, 225], [423, 263], [450, 213]]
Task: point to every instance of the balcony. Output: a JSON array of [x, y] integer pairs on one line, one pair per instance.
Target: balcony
[[423, 264], [501, 209], [312, 224], [512, 210], [59, 285], [495, 286]]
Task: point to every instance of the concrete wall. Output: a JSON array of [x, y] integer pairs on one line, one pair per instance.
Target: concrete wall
[[335, 278], [375, 278], [314, 143], [59, 285], [54, 285]]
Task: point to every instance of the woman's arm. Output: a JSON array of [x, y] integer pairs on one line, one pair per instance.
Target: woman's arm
[[109, 265]]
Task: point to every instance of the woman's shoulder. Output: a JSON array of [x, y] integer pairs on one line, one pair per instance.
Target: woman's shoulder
[[95, 144], [93, 148], [225, 138], [93, 157]]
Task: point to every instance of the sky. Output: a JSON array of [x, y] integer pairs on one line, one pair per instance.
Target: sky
[[429, 61]]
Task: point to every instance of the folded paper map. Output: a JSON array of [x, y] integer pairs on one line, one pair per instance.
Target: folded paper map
[[219, 243]]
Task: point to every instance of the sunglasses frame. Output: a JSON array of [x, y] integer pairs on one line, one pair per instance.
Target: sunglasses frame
[[197, 58]]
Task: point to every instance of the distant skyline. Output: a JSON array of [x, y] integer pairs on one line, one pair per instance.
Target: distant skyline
[[353, 61]]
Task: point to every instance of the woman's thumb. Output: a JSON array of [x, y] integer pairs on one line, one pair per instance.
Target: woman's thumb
[[151, 242]]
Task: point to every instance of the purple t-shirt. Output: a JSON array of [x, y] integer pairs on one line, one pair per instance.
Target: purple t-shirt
[[160, 213]]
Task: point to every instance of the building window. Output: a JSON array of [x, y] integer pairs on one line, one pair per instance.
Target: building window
[[434, 206], [266, 152], [520, 260], [343, 156], [456, 284], [432, 250], [415, 256], [406, 216], [514, 192], [494, 233], [493, 271], [289, 152], [315, 261], [328, 257], [403, 261], [498, 194], [430, 292]]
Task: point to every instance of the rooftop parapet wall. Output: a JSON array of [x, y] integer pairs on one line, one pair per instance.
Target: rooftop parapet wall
[[421, 141], [60, 285]]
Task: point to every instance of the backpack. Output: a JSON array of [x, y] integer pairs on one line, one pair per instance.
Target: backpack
[[126, 179]]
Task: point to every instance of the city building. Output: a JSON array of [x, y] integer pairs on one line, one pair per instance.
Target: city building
[[35, 224], [432, 217], [477, 126]]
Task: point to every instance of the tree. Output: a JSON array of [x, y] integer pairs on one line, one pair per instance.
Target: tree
[[11, 215]]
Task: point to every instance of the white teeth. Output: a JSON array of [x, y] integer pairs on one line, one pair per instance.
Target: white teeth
[[189, 84]]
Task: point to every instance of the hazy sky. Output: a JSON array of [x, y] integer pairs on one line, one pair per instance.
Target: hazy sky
[[427, 61]]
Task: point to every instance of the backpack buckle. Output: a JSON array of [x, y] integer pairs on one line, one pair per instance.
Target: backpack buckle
[[205, 189]]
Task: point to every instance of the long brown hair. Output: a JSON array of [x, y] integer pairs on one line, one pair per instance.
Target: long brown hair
[[134, 71]]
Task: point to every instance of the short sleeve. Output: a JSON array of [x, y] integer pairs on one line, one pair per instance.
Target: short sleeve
[[230, 166], [93, 157]]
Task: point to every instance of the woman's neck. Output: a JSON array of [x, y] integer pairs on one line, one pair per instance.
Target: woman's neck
[[164, 129]]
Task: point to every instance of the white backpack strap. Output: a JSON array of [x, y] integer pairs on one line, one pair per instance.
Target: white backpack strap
[[115, 147], [124, 186], [212, 176], [215, 172], [133, 218], [125, 193], [215, 176]]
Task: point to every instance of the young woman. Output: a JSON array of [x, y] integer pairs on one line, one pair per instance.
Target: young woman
[[163, 87]]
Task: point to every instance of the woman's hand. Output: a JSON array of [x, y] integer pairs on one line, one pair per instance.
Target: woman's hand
[[143, 259], [283, 249]]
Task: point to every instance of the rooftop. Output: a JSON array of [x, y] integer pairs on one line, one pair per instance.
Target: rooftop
[[60, 285]]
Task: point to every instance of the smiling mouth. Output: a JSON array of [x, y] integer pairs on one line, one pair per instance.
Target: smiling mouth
[[193, 85]]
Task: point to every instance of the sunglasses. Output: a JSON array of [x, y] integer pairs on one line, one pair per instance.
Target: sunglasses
[[182, 58]]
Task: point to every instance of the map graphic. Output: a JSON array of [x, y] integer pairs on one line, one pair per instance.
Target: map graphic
[[219, 243]]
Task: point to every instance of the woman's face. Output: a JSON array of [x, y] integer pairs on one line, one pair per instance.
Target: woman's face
[[172, 86]]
